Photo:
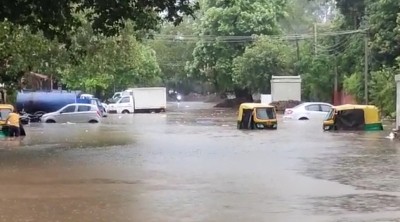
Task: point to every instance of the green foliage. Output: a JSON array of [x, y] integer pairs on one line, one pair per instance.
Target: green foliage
[[104, 62], [383, 21], [260, 61], [383, 90], [354, 84], [21, 51], [173, 53], [213, 59], [317, 75], [57, 18]]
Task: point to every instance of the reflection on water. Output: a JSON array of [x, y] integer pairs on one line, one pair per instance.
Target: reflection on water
[[192, 164]]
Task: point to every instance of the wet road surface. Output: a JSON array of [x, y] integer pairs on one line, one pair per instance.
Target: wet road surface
[[192, 164]]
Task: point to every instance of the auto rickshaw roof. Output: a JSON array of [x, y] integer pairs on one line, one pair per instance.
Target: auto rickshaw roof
[[254, 105], [6, 106], [355, 106]]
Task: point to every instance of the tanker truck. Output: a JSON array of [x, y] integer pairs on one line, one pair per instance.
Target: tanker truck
[[41, 102]]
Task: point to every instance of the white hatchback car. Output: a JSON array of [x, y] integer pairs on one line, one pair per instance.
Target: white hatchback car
[[74, 113], [308, 111]]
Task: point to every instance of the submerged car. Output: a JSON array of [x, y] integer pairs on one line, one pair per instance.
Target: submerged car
[[353, 117], [256, 116], [308, 111], [74, 113]]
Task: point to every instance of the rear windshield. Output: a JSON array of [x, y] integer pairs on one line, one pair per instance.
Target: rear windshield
[[265, 113], [4, 113]]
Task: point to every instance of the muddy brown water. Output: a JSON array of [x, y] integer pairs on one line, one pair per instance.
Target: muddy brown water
[[192, 164]]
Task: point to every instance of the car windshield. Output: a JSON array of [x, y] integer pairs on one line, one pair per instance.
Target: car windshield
[[265, 113], [4, 113], [330, 114]]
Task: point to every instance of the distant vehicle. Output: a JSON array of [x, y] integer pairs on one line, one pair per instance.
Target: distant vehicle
[[149, 99], [74, 113], [40, 102], [308, 111], [118, 95]]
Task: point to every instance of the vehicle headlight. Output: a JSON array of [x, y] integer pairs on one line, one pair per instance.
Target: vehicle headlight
[[260, 125]]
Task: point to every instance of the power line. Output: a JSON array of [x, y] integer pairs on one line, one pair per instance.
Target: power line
[[243, 39]]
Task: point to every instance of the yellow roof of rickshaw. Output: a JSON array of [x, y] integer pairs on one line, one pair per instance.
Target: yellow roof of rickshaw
[[254, 105], [6, 106], [354, 106]]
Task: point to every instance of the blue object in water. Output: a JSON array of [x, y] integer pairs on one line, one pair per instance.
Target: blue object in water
[[46, 102]]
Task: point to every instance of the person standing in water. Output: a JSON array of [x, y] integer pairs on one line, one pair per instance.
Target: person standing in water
[[13, 124]]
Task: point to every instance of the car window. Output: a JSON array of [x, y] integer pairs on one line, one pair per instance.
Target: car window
[[68, 109], [125, 100], [313, 107], [326, 108], [84, 108]]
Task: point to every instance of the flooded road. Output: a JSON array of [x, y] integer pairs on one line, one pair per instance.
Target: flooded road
[[192, 164]]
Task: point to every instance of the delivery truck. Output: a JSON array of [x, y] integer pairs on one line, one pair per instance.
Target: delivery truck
[[140, 100]]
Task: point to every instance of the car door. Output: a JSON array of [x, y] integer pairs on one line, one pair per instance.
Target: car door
[[313, 111], [83, 114], [68, 114]]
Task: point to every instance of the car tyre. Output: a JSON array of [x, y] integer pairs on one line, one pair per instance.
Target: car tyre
[[125, 112], [93, 121], [303, 118], [50, 121]]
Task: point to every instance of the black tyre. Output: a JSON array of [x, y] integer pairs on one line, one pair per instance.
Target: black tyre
[[50, 121]]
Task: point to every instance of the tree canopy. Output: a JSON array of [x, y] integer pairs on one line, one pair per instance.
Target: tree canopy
[[58, 18]]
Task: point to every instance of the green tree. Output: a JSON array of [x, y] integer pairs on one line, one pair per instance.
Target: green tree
[[383, 90], [104, 63], [213, 56], [58, 18], [22, 52], [173, 52], [259, 62]]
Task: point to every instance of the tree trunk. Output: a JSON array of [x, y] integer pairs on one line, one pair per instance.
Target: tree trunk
[[244, 94]]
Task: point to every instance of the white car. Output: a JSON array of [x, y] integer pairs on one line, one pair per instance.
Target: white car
[[74, 113], [308, 111]]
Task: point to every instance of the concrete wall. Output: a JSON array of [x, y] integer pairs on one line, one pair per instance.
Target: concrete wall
[[266, 98], [286, 88]]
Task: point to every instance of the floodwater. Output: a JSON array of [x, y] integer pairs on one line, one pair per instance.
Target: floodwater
[[192, 164]]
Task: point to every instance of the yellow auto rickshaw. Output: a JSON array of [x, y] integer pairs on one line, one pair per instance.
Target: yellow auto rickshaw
[[256, 116], [5, 109], [353, 117]]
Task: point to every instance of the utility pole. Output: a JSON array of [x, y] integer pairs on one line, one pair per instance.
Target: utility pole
[[298, 56], [366, 55], [297, 49], [335, 87], [315, 38]]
